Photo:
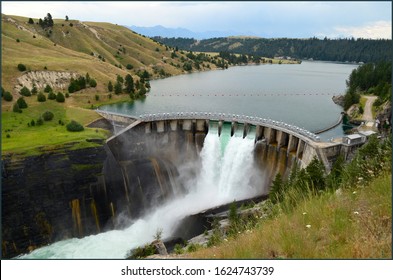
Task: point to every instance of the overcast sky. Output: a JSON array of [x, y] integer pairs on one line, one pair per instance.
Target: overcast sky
[[266, 19]]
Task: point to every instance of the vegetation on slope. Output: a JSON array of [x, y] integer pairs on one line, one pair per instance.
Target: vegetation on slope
[[370, 78], [106, 63], [349, 217], [360, 50]]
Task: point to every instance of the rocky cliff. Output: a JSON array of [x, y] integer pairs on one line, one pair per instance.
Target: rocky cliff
[[50, 197]]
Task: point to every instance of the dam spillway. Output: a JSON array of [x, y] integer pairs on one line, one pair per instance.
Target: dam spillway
[[157, 160], [225, 171]]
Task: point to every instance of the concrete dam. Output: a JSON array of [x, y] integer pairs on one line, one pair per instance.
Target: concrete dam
[[159, 169]]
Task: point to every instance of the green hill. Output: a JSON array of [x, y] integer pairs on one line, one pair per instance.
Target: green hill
[[53, 54], [97, 48]]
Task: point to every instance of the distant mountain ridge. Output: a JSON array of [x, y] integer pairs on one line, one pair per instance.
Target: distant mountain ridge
[[340, 50], [162, 31]]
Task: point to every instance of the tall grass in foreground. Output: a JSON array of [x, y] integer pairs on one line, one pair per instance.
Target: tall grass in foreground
[[350, 218]]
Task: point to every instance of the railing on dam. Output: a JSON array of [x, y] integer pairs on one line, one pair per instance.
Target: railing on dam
[[229, 118], [219, 117]]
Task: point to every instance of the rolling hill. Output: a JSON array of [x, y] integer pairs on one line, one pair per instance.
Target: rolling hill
[[102, 49], [54, 54]]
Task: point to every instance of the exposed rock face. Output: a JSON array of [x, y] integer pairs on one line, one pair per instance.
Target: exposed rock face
[[57, 80], [339, 100], [51, 197]]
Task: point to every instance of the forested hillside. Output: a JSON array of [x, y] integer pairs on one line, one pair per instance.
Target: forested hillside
[[370, 78], [360, 50]]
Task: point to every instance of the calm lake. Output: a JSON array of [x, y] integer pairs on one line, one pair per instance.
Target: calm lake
[[299, 94]]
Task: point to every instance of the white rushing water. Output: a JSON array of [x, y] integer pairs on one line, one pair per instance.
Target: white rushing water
[[221, 179]]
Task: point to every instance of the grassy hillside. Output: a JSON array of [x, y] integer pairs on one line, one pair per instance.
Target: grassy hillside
[[353, 224], [103, 50], [97, 48]]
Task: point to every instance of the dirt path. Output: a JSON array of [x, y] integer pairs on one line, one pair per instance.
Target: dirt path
[[367, 114]]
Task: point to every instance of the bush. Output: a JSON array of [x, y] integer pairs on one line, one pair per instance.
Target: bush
[[92, 83], [16, 108], [129, 66], [74, 126], [97, 97], [60, 97], [21, 103], [67, 95], [32, 123], [25, 91], [21, 67], [7, 96], [40, 121], [34, 90], [48, 116], [51, 96], [48, 89], [41, 97]]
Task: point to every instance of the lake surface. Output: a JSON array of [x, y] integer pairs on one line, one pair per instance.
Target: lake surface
[[299, 94]]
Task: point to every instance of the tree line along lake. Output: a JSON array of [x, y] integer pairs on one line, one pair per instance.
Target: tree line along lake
[[298, 94]]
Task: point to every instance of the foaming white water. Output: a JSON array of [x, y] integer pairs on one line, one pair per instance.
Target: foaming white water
[[220, 180]]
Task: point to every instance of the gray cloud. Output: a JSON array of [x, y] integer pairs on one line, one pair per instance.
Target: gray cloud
[[269, 19]]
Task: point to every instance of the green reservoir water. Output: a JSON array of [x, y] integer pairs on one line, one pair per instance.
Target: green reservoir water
[[299, 94]]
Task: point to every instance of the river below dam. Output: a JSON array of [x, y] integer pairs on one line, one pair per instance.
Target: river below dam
[[225, 164], [225, 169]]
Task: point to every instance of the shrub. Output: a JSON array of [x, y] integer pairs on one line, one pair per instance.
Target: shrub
[[41, 97], [17, 40], [32, 123], [21, 67], [51, 96], [16, 108], [34, 90], [92, 83], [74, 126], [110, 86], [25, 91], [47, 116], [60, 97], [129, 66], [97, 97], [21, 103], [7, 96], [48, 88], [40, 121], [67, 95]]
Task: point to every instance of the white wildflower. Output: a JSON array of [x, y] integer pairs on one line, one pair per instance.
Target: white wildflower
[[308, 226], [304, 213], [356, 213]]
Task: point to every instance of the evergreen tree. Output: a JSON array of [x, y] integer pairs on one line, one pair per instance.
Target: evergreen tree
[[25, 91], [118, 88], [277, 188], [21, 103], [48, 89], [129, 83], [16, 109], [60, 97], [110, 86], [34, 90], [31, 21], [41, 97]]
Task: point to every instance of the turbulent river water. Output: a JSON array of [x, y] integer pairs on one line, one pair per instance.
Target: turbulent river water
[[225, 163]]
